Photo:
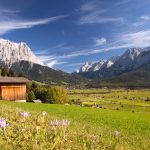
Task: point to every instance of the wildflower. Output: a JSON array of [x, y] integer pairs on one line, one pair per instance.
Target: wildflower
[[25, 114], [116, 133], [44, 113], [63, 123], [55, 123], [37, 128], [3, 123]]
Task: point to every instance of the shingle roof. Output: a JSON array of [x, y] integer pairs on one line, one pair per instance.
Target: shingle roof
[[13, 80]]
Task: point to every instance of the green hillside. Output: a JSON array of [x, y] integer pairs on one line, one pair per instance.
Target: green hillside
[[139, 78], [45, 74]]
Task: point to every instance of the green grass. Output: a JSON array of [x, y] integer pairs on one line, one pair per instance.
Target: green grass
[[36, 132], [134, 127], [121, 110], [127, 100]]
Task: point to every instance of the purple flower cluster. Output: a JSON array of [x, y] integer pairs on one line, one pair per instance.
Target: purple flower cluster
[[54, 123], [63, 123], [3, 123], [25, 114]]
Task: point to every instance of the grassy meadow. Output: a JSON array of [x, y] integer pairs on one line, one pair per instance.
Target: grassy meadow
[[119, 99], [104, 119]]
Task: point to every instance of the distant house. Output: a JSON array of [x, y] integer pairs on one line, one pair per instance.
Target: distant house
[[13, 88]]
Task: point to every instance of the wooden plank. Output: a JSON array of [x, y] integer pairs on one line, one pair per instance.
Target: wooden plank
[[13, 92]]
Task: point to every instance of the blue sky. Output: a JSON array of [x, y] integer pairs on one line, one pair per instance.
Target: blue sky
[[65, 34]]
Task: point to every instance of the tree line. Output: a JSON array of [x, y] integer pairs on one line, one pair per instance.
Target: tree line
[[46, 93], [35, 90], [4, 72]]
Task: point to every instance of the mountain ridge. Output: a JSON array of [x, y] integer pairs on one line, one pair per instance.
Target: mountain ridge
[[11, 52], [19, 58], [130, 60]]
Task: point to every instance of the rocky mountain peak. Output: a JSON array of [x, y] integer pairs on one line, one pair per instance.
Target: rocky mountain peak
[[92, 66], [132, 53], [11, 52]]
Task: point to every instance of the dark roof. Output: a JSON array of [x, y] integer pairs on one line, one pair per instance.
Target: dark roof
[[13, 80]]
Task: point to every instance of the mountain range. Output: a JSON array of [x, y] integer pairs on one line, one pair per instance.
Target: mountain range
[[131, 68], [20, 58], [131, 60]]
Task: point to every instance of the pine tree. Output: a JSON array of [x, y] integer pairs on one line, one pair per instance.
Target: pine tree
[[4, 72], [11, 73], [21, 74], [30, 96]]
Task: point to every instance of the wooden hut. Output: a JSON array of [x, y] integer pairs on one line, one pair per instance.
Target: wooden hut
[[13, 88]]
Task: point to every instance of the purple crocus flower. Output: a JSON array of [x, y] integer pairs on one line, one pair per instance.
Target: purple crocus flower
[[55, 123], [25, 114], [63, 123], [3, 123]]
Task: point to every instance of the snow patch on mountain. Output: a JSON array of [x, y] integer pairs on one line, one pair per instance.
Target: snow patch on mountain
[[109, 64], [92, 66], [129, 56], [130, 60], [11, 52]]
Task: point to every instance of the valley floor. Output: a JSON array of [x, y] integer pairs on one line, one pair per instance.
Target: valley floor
[[120, 118]]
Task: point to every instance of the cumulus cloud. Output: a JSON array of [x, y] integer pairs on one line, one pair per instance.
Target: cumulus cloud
[[146, 18], [100, 41]]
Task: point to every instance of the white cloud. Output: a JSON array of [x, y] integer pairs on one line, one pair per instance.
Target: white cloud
[[132, 39], [142, 21], [8, 11], [146, 18], [6, 26], [52, 63], [11, 21], [100, 41], [90, 6], [55, 62], [46, 58], [91, 12], [96, 17], [122, 2], [124, 41], [138, 24], [52, 60], [140, 38], [45, 51], [75, 64]]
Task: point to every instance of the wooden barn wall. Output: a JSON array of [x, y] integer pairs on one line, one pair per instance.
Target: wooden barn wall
[[13, 91]]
